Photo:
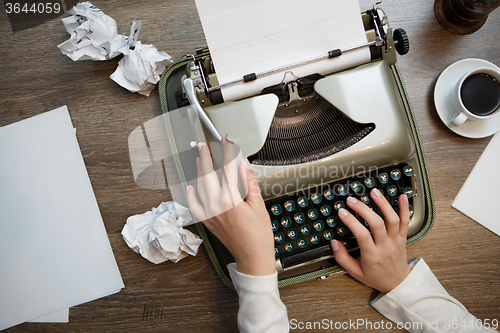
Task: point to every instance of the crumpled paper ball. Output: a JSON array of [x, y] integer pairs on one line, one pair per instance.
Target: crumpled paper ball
[[139, 69], [94, 35], [158, 235]]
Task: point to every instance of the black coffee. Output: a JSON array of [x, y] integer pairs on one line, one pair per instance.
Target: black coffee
[[480, 94]]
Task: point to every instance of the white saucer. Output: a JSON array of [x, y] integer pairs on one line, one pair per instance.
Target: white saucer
[[445, 84]]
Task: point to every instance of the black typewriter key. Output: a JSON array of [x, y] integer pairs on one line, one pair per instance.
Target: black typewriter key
[[279, 237], [331, 221], [305, 229], [302, 201], [365, 198], [369, 182], [338, 205], [383, 178], [408, 170], [299, 218], [289, 205], [313, 214], [292, 233], [302, 242], [289, 247], [328, 194], [341, 231], [392, 190], [395, 174], [356, 186], [276, 209], [411, 210], [316, 198], [325, 210], [314, 238], [286, 222], [408, 191], [277, 251], [318, 225], [342, 190], [395, 202], [328, 234], [275, 225]]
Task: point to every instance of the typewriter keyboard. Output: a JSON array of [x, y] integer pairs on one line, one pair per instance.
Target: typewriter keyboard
[[308, 220]]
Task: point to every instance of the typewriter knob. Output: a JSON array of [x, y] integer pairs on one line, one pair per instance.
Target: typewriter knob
[[401, 40]]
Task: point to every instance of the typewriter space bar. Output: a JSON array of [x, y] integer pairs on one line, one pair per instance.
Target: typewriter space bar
[[314, 255]]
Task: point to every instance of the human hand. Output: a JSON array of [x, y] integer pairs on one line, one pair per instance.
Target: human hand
[[382, 264], [243, 226]]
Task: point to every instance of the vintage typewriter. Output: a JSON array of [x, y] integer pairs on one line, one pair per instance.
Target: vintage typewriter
[[312, 142]]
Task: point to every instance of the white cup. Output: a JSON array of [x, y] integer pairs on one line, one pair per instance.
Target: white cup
[[492, 94]]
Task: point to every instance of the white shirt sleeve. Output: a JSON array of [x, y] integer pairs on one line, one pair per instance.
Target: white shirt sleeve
[[421, 304], [261, 309]]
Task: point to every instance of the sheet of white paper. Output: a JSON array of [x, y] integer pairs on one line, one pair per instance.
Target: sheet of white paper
[[61, 316], [54, 250], [256, 36], [472, 200]]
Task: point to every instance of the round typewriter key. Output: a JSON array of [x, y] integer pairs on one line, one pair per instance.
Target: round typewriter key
[[383, 178], [408, 170], [338, 205], [408, 191], [302, 201], [318, 225], [286, 222], [305, 229], [365, 198], [328, 234], [299, 218], [356, 186], [325, 210], [279, 237], [312, 213], [276, 209], [292, 233], [392, 190], [274, 224], [342, 190], [341, 231], [289, 205], [277, 251], [302, 242], [289, 247], [314, 238], [396, 174], [395, 202], [331, 221], [316, 198], [369, 182], [411, 210], [329, 194]]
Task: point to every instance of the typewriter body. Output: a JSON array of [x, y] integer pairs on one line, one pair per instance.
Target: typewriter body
[[314, 140]]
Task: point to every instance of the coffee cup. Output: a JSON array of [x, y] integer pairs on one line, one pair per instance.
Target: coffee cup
[[477, 96]]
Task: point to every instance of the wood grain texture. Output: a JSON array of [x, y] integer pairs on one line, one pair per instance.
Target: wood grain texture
[[187, 296]]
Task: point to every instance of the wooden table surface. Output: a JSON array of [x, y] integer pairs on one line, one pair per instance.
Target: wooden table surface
[[187, 297]]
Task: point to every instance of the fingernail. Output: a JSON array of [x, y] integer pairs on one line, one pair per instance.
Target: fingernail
[[197, 161], [343, 212], [246, 163], [187, 188], [200, 145], [404, 198], [352, 200], [376, 192], [335, 245], [228, 139]]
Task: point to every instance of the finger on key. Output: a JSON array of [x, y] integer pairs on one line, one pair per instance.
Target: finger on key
[[391, 218], [376, 223], [205, 168], [404, 215], [363, 237]]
